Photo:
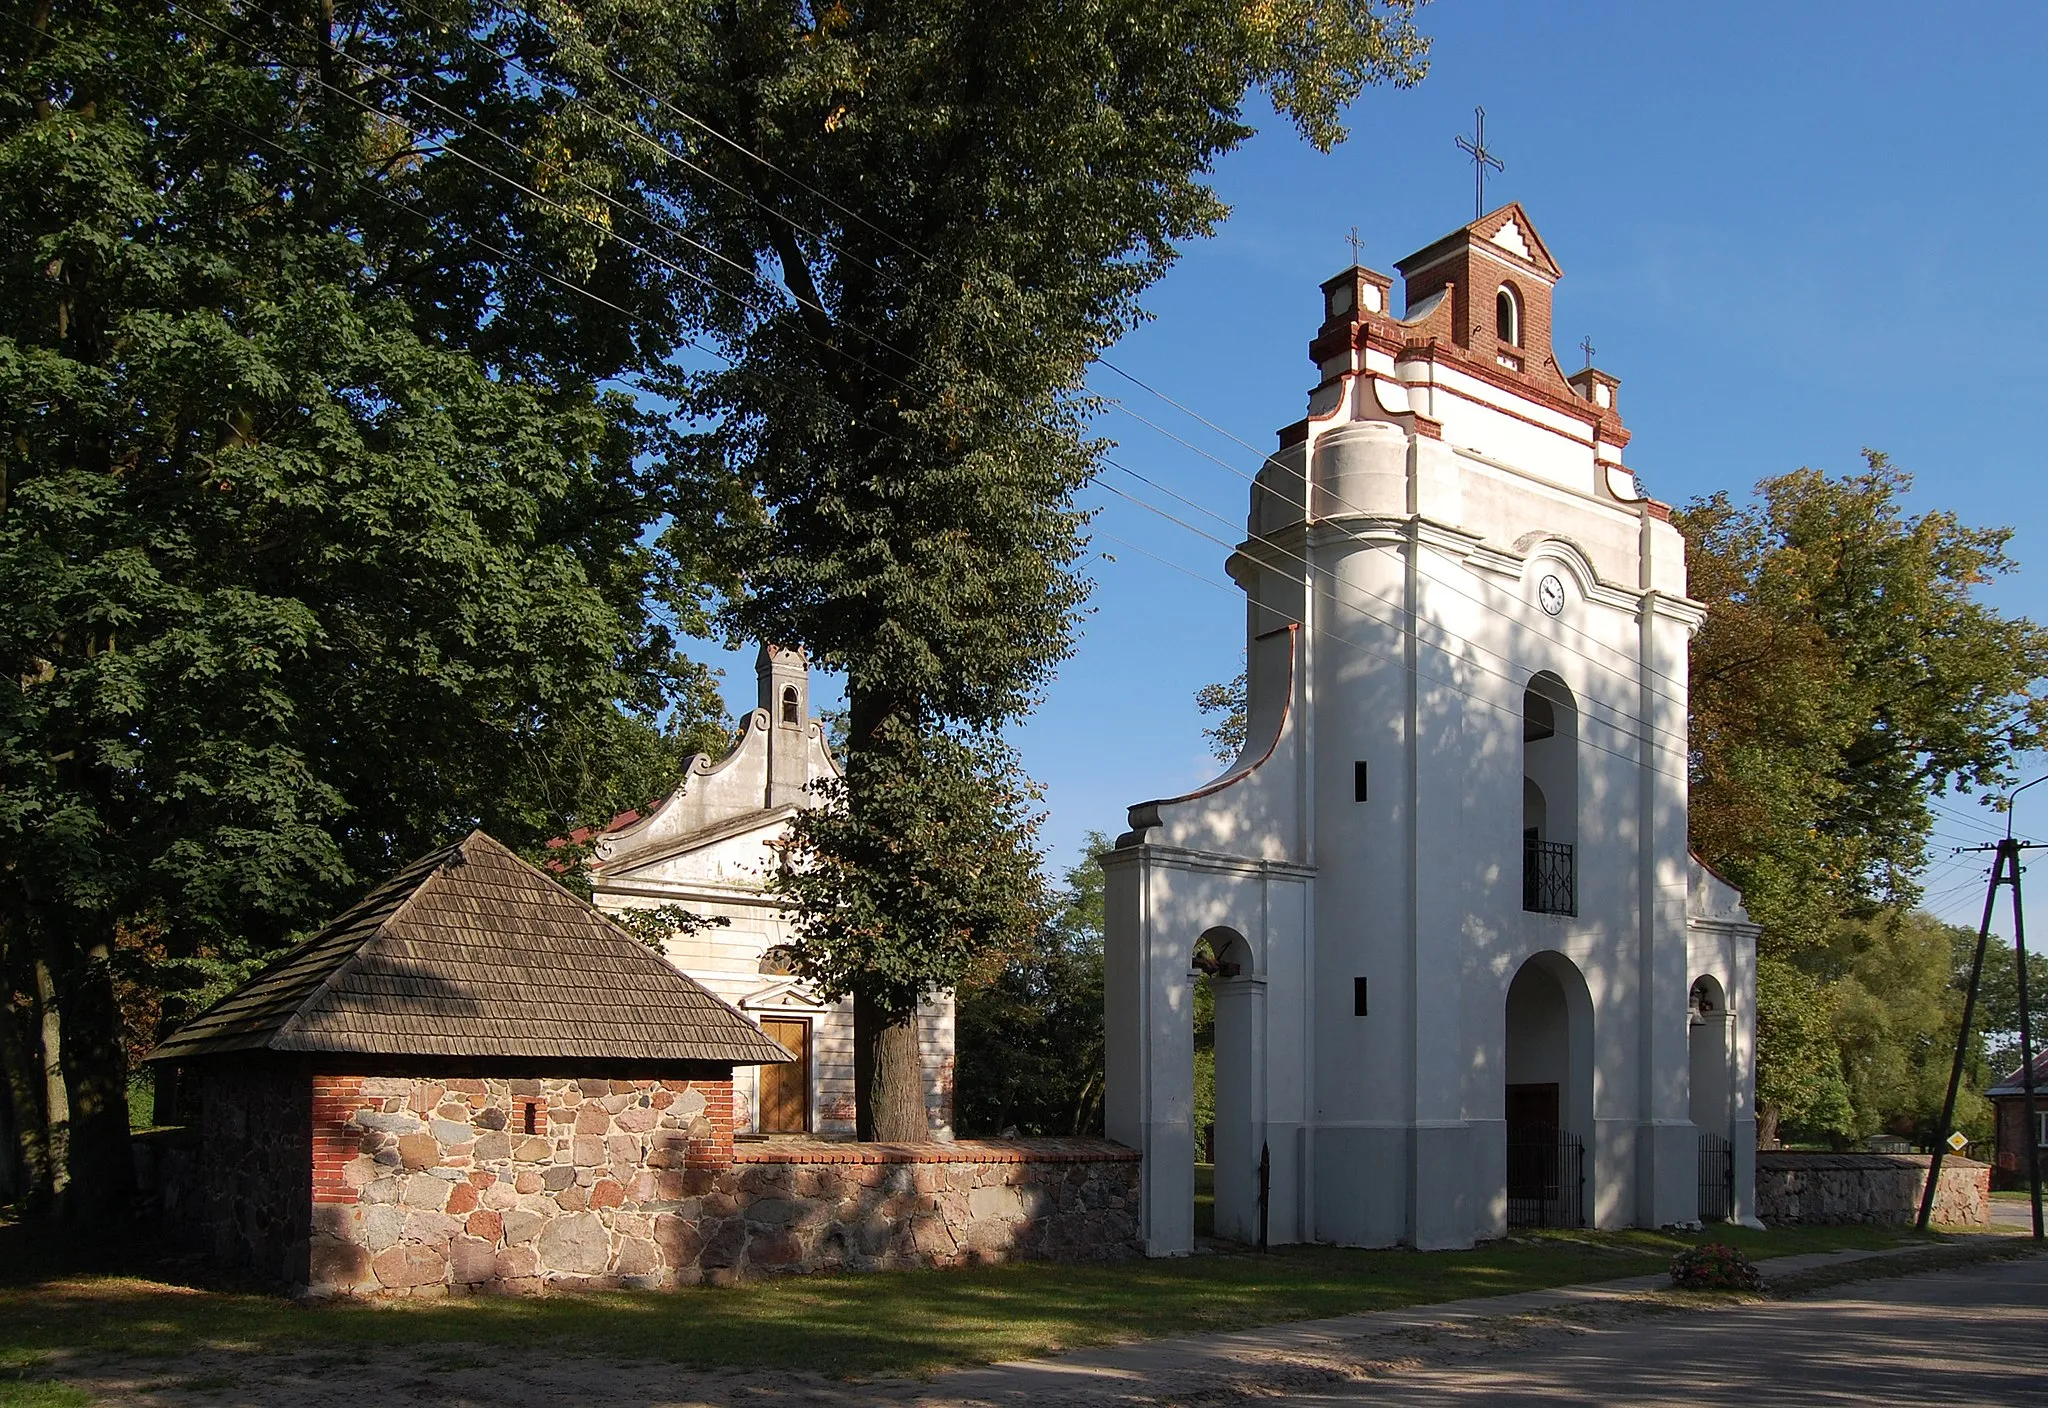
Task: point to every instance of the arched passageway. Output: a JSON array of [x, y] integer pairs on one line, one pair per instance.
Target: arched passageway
[[1223, 959], [1713, 1108], [1549, 1076]]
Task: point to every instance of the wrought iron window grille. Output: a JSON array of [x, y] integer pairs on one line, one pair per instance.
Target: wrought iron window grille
[[1549, 881]]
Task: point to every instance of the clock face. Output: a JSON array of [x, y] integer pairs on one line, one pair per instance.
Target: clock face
[[1550, 592]]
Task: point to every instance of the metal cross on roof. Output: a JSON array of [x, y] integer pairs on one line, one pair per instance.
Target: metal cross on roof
[[1481, 159], [1586, 346], [1356, 244]]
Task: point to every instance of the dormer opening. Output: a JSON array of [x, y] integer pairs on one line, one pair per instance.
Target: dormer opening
[[1507, 316], [792, 711]]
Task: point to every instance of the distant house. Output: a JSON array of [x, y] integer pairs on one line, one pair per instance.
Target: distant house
[[2014, 1140], [708, 847], [472, 1079]]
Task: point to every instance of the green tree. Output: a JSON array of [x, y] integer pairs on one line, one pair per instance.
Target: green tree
[[958, 207], [320, 537], [1846, 674], [1229, 702], [1030, 1030], [1894, 1007], [1998, 999]]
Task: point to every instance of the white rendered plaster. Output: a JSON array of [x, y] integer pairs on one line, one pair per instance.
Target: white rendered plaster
[[1406, 643], [708, 847]]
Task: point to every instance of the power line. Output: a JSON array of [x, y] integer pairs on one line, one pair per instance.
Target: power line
[[1324, 632], [1632, 676], [1635, 681], [1629, 720]]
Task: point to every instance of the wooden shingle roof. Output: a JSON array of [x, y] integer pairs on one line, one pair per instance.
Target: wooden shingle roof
[[472, 952]]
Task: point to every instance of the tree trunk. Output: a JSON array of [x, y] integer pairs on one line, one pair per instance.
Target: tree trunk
[[56, 1100], [102, 1168], [888, 1084], [1767, 1127], [31, 1148]]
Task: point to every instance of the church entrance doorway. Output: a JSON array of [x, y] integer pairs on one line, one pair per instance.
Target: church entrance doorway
[[786, 1089], [1548, 1098]]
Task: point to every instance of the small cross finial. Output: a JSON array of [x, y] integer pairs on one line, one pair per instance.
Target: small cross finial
[[1481, 159], [1586, 346], [1356, 244]]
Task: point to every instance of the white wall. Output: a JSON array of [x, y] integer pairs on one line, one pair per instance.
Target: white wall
[[1413, 587]]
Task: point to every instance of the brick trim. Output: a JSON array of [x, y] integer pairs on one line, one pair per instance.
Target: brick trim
[[963, 1151], [335, 1143], [717, 1151]]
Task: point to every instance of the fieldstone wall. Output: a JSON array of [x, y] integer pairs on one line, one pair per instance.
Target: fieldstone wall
[[427, 1186], [1800, 1189], [253, 1152], [817, 1206], [169, 1187], [424, 1185]]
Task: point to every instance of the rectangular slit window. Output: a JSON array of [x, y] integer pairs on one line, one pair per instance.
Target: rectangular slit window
[[529, 1114], [1358, 782], [1358, 997]]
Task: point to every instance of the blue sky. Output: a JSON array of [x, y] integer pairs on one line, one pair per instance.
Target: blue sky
[[1791, 230]]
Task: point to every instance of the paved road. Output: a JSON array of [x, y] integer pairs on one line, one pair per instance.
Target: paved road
[[2007, 1213], [1976, 1336]]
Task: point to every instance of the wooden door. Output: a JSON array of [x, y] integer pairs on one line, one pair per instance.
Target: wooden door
[[786, 1089]]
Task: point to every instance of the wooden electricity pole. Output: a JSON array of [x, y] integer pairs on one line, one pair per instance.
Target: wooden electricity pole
[[2005, 870]]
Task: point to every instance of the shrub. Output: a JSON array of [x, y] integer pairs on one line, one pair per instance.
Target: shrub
[[1715, 1266]]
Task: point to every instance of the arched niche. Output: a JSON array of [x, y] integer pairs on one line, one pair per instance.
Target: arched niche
[[1548, 1073], [1708, 1042], [1550, 796]]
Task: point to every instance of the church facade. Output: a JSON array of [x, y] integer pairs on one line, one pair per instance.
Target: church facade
[[708, 848], [1467, 973]]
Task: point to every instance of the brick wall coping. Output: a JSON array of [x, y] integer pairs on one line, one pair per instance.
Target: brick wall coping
[[1815, 1158], [960, 1151]]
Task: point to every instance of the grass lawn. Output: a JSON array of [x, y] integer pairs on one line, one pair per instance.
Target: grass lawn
[[896, 1322]]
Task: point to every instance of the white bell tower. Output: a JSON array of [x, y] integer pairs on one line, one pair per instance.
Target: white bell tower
[[1445, 895]]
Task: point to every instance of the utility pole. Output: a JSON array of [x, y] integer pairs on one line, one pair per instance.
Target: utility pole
[[2005, 870]]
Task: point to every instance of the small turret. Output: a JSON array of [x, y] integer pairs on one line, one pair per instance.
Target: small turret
[[785, 695]]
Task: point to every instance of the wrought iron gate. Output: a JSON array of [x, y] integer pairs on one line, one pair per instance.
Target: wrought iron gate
[[1717, 1179], [1546, 1178]]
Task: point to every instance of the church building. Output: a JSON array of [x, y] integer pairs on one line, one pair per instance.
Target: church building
[[1467, 974], [708, 847]]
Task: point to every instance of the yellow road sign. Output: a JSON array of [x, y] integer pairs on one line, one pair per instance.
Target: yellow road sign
[[1957, 1142]]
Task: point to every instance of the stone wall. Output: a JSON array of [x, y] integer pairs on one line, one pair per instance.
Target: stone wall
[[426, 1186], [254, 1148], [429, 1184], [816, 1206], [170, 1190], [1799, 1189]]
